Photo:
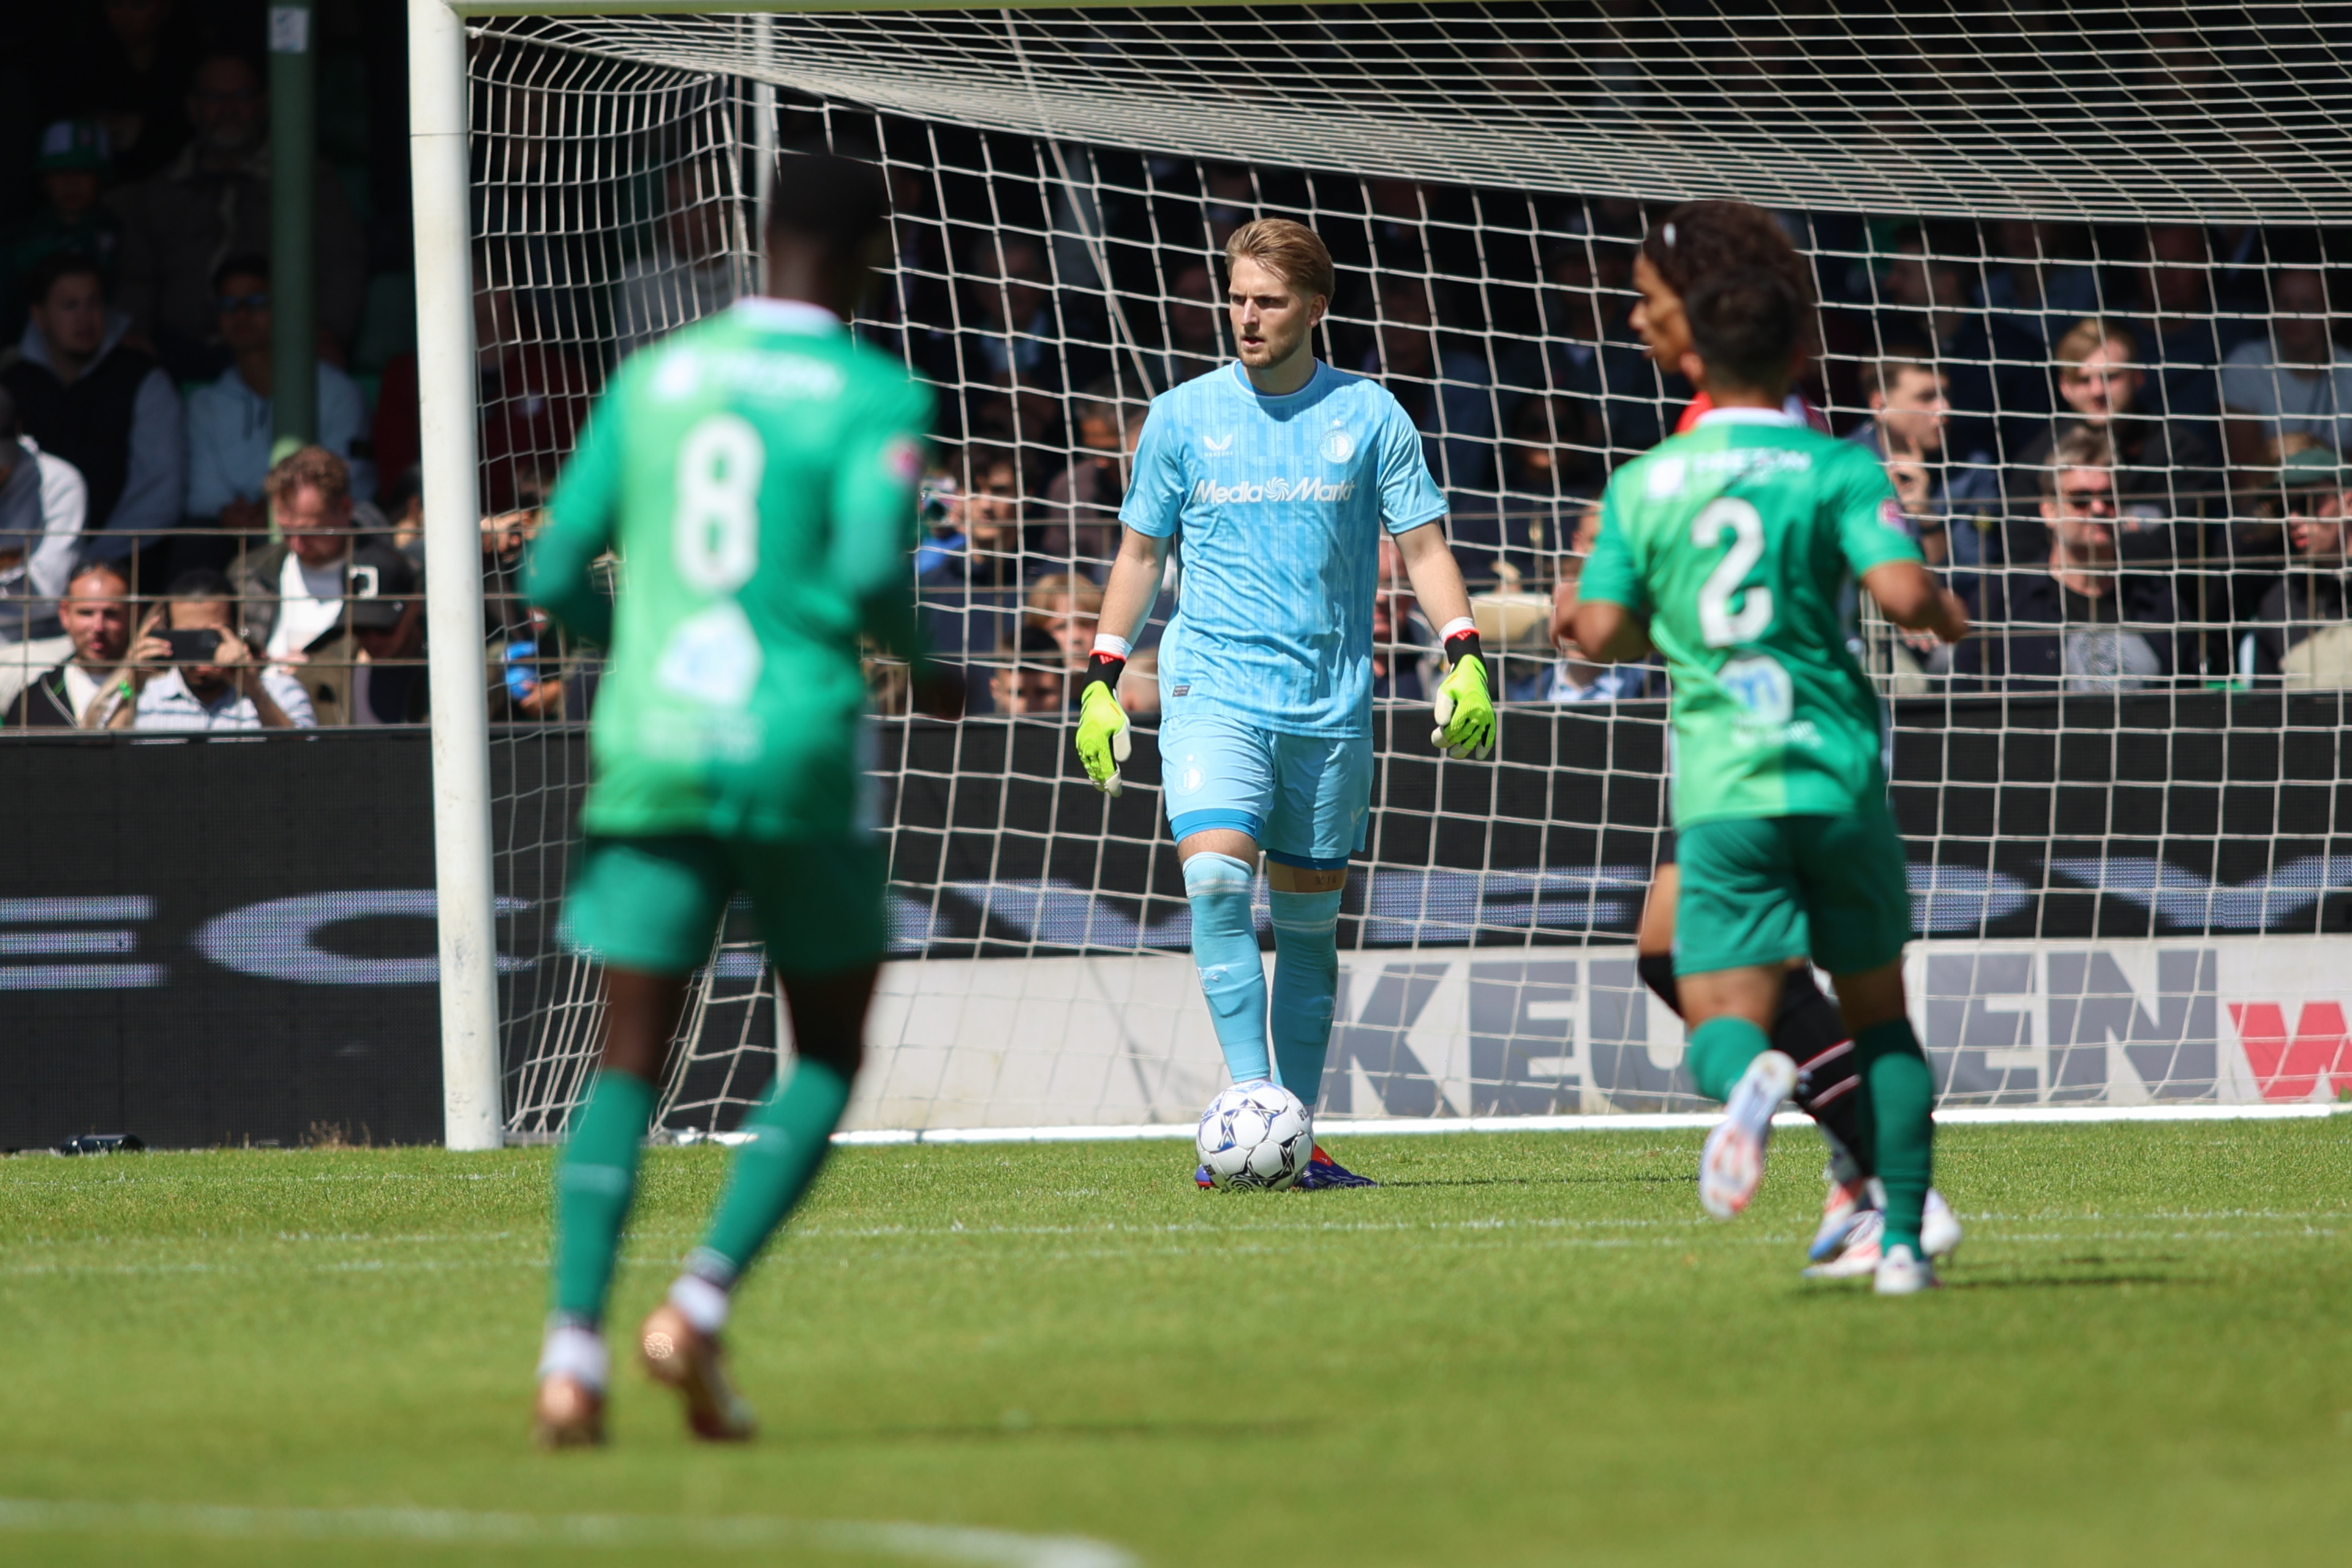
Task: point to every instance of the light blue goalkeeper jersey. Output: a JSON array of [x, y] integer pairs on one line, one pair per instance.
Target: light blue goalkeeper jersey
[[1278, 503]]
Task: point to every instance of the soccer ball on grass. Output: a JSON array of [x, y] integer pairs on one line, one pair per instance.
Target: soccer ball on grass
[[1257, 1135]]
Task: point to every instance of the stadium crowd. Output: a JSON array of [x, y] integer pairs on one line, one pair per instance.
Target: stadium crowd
[[2120, 444]]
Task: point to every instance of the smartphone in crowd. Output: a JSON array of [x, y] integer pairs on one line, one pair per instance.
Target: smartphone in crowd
[[522, 668], [200, 646]]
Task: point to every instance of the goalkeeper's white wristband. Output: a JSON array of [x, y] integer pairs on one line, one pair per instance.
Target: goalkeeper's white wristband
[[1460, 639], [1117, 647]]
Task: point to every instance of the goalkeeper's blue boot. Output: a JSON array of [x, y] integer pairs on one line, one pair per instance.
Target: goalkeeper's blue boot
[[1201, 1178], [1323, 1171], [1844, 1208]]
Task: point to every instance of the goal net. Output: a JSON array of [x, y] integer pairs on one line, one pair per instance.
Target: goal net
[[2122, 804]]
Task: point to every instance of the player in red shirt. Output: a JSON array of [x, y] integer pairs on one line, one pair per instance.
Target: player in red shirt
[[1695, 241]]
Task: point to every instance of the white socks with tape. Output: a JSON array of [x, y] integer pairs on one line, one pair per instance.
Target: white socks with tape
[[700, 1303], [575, 1353]]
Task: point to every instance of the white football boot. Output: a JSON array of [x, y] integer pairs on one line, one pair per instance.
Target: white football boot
[[1731, 1166], [1939, 1228], [1860, 1259], [1901, 1274], [1844, 1205], [1939, 1238]]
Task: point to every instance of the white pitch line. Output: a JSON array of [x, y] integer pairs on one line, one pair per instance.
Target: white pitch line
[[1188, 1237], [914, 1542], [1356, 1127]]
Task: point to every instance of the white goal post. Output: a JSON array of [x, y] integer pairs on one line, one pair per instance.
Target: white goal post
[[1483, 158], [465, 903]]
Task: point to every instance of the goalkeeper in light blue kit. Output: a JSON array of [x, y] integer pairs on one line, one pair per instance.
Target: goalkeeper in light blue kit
[[1278, 473]]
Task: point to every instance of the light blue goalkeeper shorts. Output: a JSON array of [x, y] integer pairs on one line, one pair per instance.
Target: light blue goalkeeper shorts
[[1306, 799]]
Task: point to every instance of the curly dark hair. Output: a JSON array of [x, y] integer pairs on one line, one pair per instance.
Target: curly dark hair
[[1698, 240], [1744, 323]]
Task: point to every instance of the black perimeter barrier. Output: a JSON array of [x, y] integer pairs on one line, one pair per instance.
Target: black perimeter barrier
[[229, 940]]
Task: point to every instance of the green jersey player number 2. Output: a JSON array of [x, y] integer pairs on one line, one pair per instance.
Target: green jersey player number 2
[[1758, 684], [1736, 542], [1728, 549]]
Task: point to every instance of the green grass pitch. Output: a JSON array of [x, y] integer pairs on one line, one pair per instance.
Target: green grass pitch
[[1525, 1348]]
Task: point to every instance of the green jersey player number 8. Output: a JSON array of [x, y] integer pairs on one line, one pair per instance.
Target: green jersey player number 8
[[713, 657], [716, 536], [755, 474]]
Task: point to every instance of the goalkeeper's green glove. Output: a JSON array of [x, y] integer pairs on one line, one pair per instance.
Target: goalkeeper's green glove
[[1103, 740], [1466, 712]]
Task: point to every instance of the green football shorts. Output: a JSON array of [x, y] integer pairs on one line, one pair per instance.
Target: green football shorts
[[653, 903], [1764, 889]]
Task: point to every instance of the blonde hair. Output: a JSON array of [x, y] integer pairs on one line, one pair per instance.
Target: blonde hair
[[2091, 333], [1291, 251], [2081, 448], [306, 469], [1045, 597]]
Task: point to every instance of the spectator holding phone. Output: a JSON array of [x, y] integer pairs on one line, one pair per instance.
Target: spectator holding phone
[[385, 616], [532, 677], [193, 671]]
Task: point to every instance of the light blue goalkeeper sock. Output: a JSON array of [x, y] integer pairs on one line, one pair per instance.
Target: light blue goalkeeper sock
[[1225, 952], [1306, 982]]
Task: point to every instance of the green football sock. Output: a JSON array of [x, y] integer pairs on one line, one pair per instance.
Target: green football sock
[[791, 1130], [1864, 1148], [1902, 1089], [593, 1183], [1720, 1050]]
